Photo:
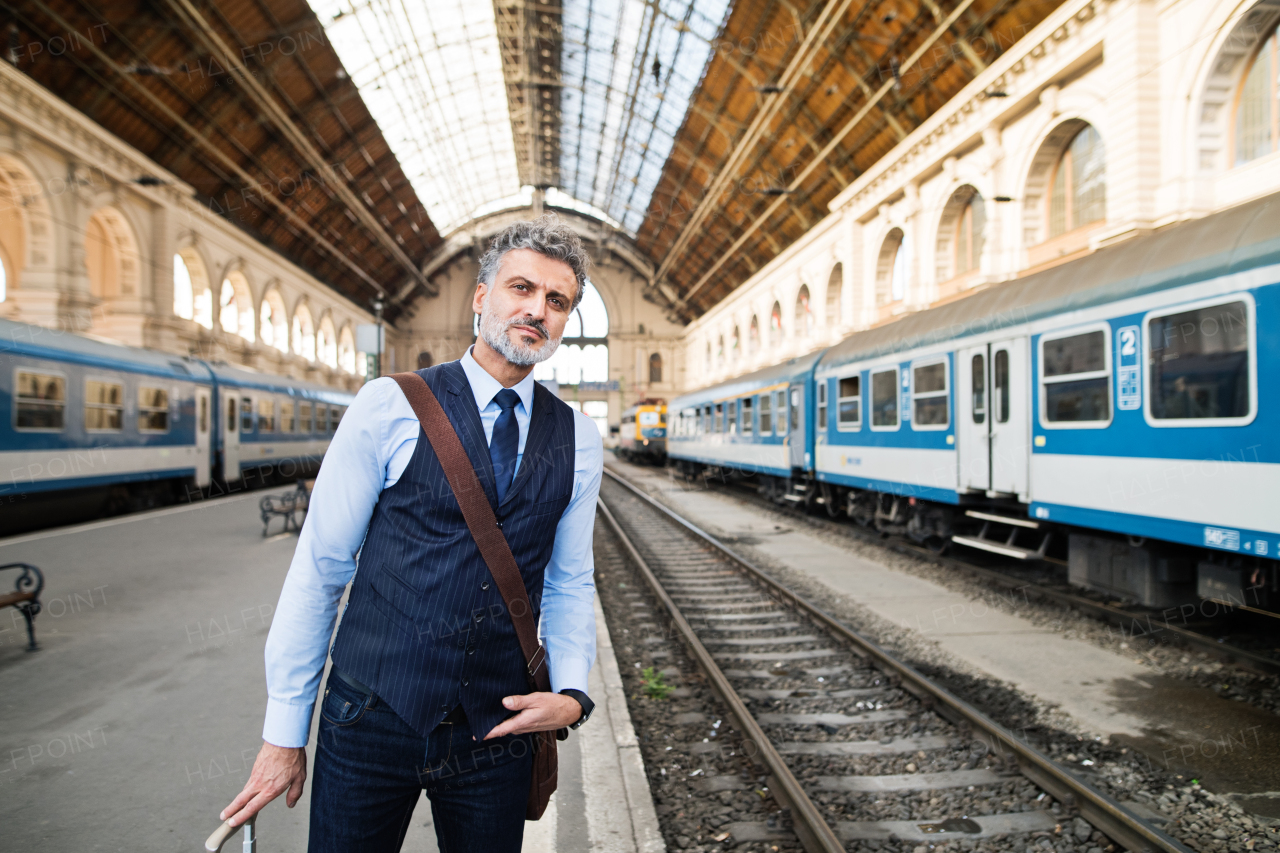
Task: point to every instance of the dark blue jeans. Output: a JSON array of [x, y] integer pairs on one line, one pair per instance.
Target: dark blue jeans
[[371, 768]]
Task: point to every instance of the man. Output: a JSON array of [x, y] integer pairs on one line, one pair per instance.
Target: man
[[427, 689]]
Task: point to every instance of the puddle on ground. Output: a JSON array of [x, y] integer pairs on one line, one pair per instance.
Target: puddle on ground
[[1231, 747]]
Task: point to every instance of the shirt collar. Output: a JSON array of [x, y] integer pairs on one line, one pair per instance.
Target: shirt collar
[[485, 387]]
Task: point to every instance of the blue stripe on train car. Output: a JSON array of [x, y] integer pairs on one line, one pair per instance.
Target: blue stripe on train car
[[1234, 540], [905, 459]]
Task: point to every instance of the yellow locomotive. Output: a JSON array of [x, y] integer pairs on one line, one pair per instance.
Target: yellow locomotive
[[643, 434]]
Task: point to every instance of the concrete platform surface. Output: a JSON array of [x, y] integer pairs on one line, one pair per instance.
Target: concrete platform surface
[[139, 718]]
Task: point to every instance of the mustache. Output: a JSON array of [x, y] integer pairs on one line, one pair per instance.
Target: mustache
[[537, 325]]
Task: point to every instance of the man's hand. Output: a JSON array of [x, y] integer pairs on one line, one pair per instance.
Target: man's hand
[[276, 770], [539, 712]]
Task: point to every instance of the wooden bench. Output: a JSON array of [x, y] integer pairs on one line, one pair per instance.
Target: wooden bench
[[287, 506], [25, 597]]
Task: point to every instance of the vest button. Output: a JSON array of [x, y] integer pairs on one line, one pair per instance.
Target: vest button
[[484, 585], [479, 617], [465, 682], [499, 525], [471, 651]]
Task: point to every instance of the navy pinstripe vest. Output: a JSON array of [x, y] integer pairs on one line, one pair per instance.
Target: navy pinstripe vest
[[425, 627]]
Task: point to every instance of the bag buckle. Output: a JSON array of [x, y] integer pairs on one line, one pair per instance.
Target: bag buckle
[[538, 660]]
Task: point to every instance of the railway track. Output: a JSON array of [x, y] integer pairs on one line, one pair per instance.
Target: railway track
[[1137, 622], [846, 734]]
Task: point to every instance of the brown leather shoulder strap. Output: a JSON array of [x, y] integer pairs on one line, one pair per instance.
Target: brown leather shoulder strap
[[480, 520]]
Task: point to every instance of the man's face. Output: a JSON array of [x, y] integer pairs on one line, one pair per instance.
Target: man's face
[[527, 306]]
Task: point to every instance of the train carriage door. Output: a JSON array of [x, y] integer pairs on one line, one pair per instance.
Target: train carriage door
[[1009, 412], [206, 422], [231, 438], [797, 427], [973, 420]]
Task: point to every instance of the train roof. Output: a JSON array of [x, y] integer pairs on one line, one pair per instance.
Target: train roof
[[1234, 240], [66, 346], [244, 378], [791, 369]]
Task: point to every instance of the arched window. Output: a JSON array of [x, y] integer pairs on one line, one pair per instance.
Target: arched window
[[775, 325], [655, 367], [835, 283], [753, 336], [960, 234], [804, 316], [709, 363], [326, 343], [304, 333], [1078, 189], [1257, 126], [184, 297], [111, 255], [891, 268], [735, 347], [274, 321], [720, 352], [235, 306], [346, 351], [583, 354]]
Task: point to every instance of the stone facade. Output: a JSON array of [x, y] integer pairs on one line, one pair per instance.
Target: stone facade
[[88, 247]]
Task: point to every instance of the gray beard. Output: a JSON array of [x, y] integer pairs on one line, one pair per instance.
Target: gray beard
[[494, 333]]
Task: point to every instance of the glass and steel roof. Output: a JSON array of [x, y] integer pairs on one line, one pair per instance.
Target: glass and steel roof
[[431, 74]]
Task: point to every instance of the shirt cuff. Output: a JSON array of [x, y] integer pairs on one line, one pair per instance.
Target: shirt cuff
[[287, 725], [569, 672]]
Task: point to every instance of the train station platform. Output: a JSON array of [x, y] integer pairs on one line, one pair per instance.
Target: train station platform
[[140, 716], [1087, 689]]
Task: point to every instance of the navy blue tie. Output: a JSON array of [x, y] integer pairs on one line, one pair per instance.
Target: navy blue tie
[[505, 442]]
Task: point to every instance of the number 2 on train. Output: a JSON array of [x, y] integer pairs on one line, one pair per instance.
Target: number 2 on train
[[1128, 372]]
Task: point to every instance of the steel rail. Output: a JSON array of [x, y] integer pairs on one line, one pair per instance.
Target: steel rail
[[1147, 622], [814, 832], [1105, 813]]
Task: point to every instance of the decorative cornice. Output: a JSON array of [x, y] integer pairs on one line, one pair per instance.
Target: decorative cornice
[[971, 111]]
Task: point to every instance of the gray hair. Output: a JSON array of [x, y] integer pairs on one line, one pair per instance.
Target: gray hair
[[547, 236]]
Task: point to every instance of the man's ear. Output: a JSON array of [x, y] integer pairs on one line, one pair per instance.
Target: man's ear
[[477, 300]]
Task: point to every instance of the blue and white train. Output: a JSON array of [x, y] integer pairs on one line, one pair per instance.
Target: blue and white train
[[88, 426], [1119, 410]]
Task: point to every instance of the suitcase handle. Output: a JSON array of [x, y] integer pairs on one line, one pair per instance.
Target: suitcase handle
[[222, 833]]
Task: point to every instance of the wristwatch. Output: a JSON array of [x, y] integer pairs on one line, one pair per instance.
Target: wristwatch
[[587, 705]]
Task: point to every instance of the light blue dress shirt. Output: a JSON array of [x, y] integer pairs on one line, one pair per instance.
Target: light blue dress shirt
[[369, 452]]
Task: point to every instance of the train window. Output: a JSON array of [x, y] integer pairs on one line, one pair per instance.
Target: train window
[[231, 414], [979, 368], [822, 405], [204, 414], [338, 412], [322, 417], [884, 399], [286, 416], [103, 406], [795, 408], [1000, 383], [780, 411], [930, 400], [707, 426], [41, 401], [246, 414], [1075, 380], [717, 424], [849, 403], [649, 419], [304, 416], [731, 417], [153, 410], [766, 414], [748, 415], [266, 415], [1199, 364]]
